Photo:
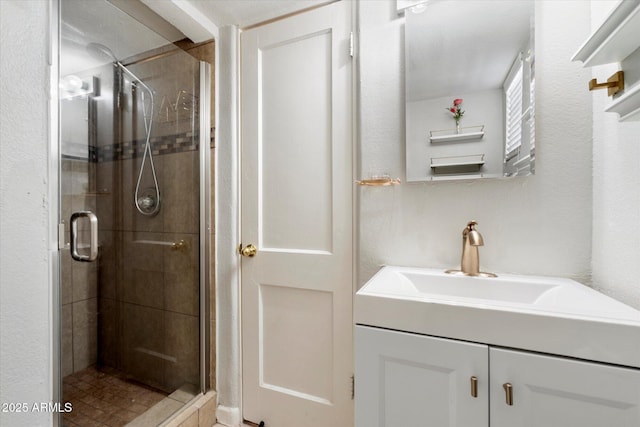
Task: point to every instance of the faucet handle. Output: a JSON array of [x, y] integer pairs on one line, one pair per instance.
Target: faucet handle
[[474, 236]]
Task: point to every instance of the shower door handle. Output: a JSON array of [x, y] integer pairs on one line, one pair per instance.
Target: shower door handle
[[93, 232]]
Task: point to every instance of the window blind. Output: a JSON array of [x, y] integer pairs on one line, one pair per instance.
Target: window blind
[[513, 108]]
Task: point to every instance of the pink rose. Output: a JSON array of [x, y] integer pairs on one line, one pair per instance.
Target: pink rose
[[453, 110], [457, 101]]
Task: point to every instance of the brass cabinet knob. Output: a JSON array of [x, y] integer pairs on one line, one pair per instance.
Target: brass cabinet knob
[[249, 251]]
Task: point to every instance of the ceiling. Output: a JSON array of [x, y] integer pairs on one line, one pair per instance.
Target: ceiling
[[200, 20], [85, 23], [116, 25], [244, 13]]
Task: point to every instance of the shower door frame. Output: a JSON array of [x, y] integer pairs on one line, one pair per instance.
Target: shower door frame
[[57, 229], [54, 160]]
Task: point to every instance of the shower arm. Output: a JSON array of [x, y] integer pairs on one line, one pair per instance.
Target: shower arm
[[137, 79]]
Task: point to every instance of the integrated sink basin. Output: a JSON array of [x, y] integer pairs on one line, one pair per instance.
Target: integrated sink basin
[[546, 314], [485, 288], [549, 294]]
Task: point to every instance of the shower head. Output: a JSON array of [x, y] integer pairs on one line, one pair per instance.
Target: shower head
[[101, 52]]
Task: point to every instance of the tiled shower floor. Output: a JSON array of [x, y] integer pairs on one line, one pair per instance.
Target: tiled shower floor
[[105, 398]]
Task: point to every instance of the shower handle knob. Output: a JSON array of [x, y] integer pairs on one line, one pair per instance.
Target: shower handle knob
[[249, 251]]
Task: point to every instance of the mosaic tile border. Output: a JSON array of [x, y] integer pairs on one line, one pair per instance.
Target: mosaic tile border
[[159, 146], [170, 144], [132, 149]]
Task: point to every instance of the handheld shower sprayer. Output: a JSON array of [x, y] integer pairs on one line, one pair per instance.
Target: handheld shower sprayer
[[148, 203]]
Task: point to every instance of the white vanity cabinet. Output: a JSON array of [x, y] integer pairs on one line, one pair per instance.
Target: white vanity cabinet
[[405, 380], [410, 380], [561, 392]]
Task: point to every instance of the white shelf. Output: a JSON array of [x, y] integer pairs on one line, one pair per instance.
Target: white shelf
[[454, 161], [457, 177], [627, 105], [615, 39], [455, 137]]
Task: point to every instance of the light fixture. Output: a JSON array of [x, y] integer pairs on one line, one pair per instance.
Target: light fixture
[[73, 85]]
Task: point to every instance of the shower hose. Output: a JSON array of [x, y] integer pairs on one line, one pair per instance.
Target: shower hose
[[146, 204]]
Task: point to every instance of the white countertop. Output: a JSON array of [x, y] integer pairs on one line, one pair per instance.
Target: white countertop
[[545, 314]]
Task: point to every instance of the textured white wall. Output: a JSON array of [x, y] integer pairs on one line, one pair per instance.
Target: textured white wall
[[616, 192], [24, 272], [532, 225]]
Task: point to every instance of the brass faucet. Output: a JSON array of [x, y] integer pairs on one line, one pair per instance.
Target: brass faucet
[[470, 264]]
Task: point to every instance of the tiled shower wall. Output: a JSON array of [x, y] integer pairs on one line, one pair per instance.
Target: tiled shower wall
[[149, 291], [148, 296], [136, 309], [79, 279]]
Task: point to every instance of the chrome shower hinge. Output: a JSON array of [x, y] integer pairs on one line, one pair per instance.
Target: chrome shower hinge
[[61, 234]]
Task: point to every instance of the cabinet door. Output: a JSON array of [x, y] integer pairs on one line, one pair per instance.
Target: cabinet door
[[409, 380], [557, 392]]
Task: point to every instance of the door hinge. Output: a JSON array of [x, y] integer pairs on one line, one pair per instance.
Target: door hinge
[[61, 235], [351, 44], [353, 387]]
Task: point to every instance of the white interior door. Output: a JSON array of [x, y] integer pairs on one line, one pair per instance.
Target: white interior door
[[297, 188]]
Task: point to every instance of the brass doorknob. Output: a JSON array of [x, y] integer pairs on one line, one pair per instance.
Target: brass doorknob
[[249, 251]]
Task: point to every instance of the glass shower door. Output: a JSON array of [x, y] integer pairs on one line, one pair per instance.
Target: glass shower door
[[131, 184]]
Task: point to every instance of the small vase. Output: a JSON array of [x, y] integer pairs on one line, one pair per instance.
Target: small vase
[[457, 127]]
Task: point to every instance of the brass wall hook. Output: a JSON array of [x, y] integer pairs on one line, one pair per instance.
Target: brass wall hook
[[614, 84]]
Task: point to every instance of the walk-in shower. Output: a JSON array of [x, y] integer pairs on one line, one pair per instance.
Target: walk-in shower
[[134, 144]]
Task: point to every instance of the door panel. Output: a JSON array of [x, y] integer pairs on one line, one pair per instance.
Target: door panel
[[557, 392], [296, 145], [287, 315], [297, 188]]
